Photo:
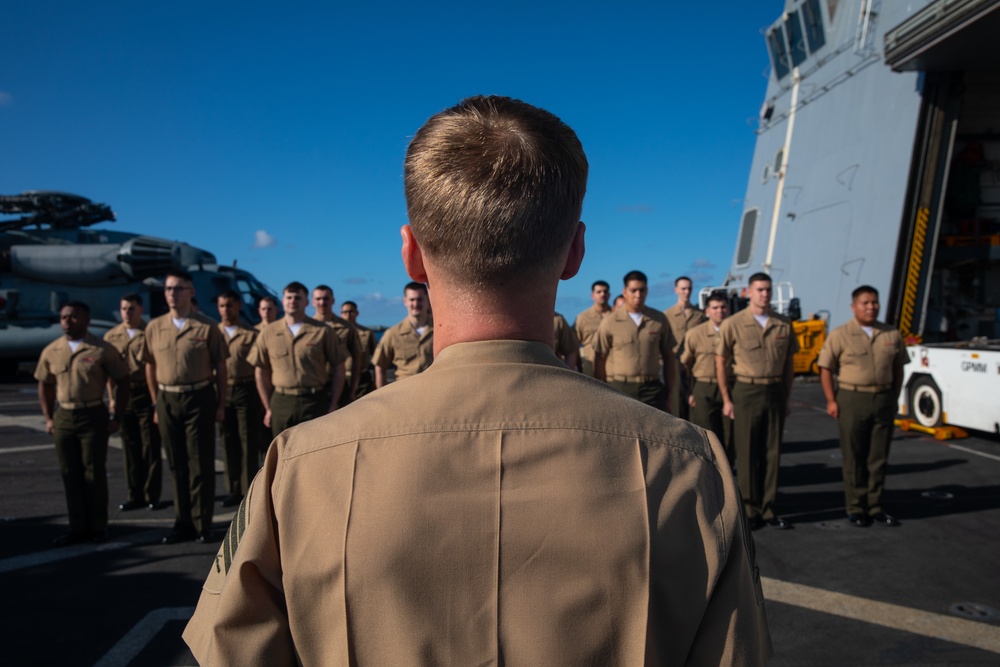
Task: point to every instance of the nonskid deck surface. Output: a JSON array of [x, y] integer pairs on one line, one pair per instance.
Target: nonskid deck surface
[[923, 593]]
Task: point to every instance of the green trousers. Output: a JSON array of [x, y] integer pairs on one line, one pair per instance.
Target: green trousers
[[141, 448], [287, 411], [241, 436], [679, 384], [759, 420], [865, 433], [651, 393], [707, 413], [187, 427], [81, 438]]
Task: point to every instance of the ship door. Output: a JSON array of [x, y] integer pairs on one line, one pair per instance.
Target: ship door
[[907, 307]]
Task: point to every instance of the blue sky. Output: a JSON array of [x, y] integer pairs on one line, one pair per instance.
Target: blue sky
[[273, 133]]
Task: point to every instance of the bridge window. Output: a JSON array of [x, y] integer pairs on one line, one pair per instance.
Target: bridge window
[[744, 249], [796, 39], [779, 52], [812, 17]]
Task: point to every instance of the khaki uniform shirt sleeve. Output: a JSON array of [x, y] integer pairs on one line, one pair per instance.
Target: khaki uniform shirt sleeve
[[333, 348], [688, 349], [829, 355], [241, 617], [258, 355], [385, 353], [603, 339]]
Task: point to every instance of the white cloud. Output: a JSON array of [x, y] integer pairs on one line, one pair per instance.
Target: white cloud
[[702, 263], [261, 239]]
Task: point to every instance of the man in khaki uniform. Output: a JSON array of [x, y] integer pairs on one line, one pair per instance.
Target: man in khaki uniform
[[759, 344], [698, 359], [587, 323], [565, 343], [347, 334], [139, 434], [296, 358], [502, 513], [634, 339], [185, 354], [868, 358], [243, 411], [681, 316], [267, 308], [408, 345], [74, 370], [366, 383]]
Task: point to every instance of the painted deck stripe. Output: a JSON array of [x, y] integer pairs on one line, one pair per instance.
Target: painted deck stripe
[[938, 626], [972, 451], [29, 448], [143, 632]]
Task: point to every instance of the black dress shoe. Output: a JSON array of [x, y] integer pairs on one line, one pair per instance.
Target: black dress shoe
[[68, 539], [859, 520], [779, 523], [755, 523], [886, 519], [129, 505], [206, 536], [232, 500], [179, 535]]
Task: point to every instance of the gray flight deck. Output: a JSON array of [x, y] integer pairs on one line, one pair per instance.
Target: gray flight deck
[[926, 593]]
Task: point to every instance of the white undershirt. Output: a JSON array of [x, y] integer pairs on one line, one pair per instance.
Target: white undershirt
[[74, 345], [715, 327], [761, 320], [230, 331], [294, 328], [420, 330], [868, 330], [636, 317], [179, 322], [131, 333]]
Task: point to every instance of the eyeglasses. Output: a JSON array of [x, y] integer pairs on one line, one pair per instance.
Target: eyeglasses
[[174, 288]]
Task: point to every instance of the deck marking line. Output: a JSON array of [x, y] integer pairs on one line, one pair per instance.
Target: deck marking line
[[938, 626], [136, 639], [972, 451], [26, 448], [47, 556]]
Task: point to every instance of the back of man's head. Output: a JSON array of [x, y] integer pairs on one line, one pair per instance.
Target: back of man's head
[[494, 190]]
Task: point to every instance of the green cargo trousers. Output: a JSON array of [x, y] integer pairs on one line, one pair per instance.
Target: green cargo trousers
[[81, 438], [707, 413], [865, 433], [287, 411], [141, 448], [187, 427], [241, 436], [759, 420]]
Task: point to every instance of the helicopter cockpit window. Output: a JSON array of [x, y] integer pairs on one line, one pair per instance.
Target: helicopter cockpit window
[[779, 52], [796, 39], [812, 17], [246, 290]]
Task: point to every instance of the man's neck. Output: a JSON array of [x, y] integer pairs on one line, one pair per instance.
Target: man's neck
[[297, 318], [324, 317], [760, 312], [230, 323], [602, 307], [684, 304], [179, 314], [636, 311], [417, 322]]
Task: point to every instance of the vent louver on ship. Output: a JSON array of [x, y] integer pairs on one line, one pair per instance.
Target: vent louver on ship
[[145, 256]]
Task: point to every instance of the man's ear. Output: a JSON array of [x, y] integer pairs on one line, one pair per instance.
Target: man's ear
[[413, 256], [574, 258]]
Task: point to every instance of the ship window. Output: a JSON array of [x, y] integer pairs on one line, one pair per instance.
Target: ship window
[[778, 157], [779, 52], [765, 175], [813, 18], [744, 249], [796, 40]]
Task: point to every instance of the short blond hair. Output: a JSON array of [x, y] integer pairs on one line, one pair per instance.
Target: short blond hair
[[494, 189]]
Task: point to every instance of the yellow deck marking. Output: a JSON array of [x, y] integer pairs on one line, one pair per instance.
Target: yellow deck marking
[[948, 628]]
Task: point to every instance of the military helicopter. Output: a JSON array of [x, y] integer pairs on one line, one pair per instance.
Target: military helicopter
[[49, 256]]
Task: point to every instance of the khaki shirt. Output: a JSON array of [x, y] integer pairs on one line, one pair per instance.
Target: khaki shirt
[[548, 521], [260, 326], [400, 345], [81, 376], [680, 323], [238, 369], [586, 325], [859, 360], [300, 363], [698, 352], [130, 349], [347, 334], [187, 356], [368, 343], [565, 341], [757, 352], [634, 350]]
